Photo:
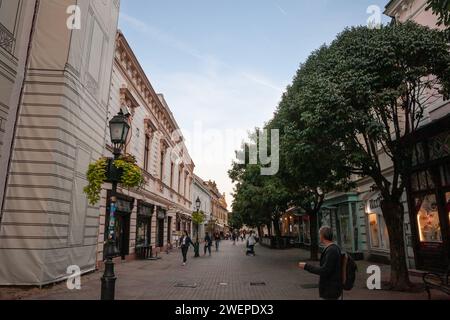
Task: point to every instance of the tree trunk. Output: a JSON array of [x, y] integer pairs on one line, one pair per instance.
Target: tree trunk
[[277, 229], [393, 213], [314, 236], [276, 226]]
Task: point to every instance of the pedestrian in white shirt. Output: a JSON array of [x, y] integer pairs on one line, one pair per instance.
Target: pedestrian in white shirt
[[251, 242]]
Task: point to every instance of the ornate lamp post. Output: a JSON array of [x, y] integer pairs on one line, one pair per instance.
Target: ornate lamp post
[[198, 204], [119, 129]]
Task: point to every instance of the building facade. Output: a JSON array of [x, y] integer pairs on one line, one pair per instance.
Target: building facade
[[149, 219], [219, 210], [202, 193], [62, 111]]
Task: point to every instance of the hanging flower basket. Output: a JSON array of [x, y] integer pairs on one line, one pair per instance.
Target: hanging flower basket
[[124, 171]]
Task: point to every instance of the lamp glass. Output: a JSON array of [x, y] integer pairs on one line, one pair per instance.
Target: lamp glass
[[119, 129]]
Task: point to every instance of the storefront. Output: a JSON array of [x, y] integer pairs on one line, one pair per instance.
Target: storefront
[[429, 196], [144, 229], [342, 215], [124, 208], [378, 237], [161, 215]]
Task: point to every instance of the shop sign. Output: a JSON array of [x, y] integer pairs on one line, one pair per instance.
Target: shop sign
[[123, 206]]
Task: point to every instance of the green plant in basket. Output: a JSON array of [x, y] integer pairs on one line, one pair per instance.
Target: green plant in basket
[[97, 174]]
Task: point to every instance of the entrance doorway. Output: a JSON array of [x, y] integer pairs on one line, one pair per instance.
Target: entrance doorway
[[122, 226]]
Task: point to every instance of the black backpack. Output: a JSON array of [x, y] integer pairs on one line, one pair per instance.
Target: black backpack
[[349, 269]]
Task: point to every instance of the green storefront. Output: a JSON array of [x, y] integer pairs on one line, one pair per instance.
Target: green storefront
[[343, 213]]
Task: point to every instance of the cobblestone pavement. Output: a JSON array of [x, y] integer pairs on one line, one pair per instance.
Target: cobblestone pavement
[[227, 275]]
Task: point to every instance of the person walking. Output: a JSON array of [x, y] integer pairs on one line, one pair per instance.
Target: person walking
[[251, 242], [185, 242], [217, 240], [234, 238], [208, 244], [330, 283]]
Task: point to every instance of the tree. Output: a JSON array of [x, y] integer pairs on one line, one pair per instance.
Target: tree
[[441, 8], [258, 199], [311, 166], [235, 221], [374, 87], [198, 218]]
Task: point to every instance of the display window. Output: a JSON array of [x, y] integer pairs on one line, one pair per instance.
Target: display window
[[143, 231], [428, 219], [447, 205], [374, 231], [378, 233], [346, 233]]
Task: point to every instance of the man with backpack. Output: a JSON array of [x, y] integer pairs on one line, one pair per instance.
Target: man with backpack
[[336, 271]]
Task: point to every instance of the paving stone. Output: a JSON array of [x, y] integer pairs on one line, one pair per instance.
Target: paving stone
[[157, 280]]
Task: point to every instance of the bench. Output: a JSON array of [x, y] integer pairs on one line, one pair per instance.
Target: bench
[[437, 282]]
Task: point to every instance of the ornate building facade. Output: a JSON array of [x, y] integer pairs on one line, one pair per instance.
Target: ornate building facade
[[219, 209], [202, 193], [149, 218]]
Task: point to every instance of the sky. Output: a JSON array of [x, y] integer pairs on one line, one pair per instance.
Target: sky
[[223, 65]]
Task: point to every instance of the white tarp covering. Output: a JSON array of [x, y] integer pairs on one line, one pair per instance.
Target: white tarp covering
[[47, 224]]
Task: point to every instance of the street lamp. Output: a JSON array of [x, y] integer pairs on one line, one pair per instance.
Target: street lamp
[[119, 129], [198, 205]]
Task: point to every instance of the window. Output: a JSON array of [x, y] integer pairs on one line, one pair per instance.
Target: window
[[185, 183], [171, 174], [445, 175], [440, 146], [161, 166], [346, 234], [422, 181], [143, 228], [179, 181], [147, 153], [374, 230], [428, 219], [447, 205]]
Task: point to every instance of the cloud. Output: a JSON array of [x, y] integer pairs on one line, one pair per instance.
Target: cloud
[[221, 102]]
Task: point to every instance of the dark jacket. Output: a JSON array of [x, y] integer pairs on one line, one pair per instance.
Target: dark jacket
[[208, 241], [187, 242], [330, 284]]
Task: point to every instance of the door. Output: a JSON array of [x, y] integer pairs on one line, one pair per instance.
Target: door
[[161, 233], [169, 230]]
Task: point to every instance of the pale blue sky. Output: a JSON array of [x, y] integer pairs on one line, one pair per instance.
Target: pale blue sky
[[223, 64]]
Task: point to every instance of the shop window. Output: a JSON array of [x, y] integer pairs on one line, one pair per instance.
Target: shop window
[[379, 236], [374, 230], [422, 181], [428, 219], [445, 175], [418, 154], [346, 232], [440, 146], [325, 218], [447, 205], [143, 231]]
